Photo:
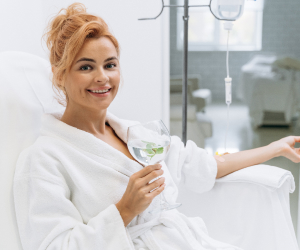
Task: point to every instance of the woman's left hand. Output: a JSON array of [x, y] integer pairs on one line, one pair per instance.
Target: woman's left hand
[[286, 148]]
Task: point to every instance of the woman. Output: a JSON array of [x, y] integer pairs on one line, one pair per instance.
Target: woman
[[78, 187]]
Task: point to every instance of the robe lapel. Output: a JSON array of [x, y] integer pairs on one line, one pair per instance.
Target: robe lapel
[[52, 126], [120, 126]]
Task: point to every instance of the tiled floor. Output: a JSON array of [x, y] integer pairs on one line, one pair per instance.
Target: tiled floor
[[241, 136]]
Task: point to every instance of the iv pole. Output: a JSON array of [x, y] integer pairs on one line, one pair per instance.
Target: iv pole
[[185, 56]]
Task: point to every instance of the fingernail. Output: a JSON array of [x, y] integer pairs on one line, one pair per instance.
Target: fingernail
[[160, 166]]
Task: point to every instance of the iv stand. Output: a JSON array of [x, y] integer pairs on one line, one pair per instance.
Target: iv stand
[[185, 56]]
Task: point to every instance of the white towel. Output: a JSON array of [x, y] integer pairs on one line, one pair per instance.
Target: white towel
[[268, 176]]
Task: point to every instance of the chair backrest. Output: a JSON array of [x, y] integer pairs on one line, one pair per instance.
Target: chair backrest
[[26, 93]]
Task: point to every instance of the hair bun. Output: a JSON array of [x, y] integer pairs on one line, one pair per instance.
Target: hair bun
[[75, 8]]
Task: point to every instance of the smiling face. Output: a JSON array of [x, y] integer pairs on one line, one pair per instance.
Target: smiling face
[[96, 67]]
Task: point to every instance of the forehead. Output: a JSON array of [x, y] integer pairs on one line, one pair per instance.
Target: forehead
[[101, 47]]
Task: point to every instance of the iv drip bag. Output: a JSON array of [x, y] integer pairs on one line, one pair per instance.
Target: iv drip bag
[[228, 9]]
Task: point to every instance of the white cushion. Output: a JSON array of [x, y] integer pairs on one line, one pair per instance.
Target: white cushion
[[26, 93]]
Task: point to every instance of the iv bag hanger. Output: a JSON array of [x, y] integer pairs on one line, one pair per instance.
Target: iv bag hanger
[[163, 6], [186, 7]]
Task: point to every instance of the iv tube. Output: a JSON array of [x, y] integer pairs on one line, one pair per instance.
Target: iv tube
[[228, 102], [228, 81], [227, 125], [227, 55]]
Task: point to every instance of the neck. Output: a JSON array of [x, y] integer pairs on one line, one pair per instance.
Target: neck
[[91, 121]]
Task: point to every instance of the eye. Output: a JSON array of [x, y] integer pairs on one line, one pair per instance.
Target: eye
[[111, 65], [85, 66]]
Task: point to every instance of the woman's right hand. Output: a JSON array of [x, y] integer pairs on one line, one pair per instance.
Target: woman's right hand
[[137, 196]]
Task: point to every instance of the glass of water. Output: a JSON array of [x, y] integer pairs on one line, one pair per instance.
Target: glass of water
[[149, 143]]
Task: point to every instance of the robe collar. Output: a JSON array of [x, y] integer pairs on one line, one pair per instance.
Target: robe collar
[[54, 127]]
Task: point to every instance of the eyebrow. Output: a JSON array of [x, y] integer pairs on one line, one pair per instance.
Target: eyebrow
[[92, 60]]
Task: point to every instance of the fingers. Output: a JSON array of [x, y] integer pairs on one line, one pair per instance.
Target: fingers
[[293, 154], [154, 185], [144, 176], [156, 191], [153, 175], [296, 155], [297, 138], [146, 170], [292, 140]]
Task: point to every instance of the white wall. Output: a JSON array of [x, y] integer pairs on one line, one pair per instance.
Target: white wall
[[144, 47]]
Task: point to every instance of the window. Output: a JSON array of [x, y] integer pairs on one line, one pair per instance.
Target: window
[[206, 33]]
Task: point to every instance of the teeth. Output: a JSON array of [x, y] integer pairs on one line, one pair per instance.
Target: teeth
[[100, 91]]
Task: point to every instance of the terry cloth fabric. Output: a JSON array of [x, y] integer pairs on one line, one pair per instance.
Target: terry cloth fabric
[[270, 177], [67, 183]]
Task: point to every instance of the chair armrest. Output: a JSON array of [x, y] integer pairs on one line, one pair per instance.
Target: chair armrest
[[268, 176], [248, 208]]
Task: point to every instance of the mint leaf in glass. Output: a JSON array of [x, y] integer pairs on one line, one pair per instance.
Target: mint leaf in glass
[[152, 149]]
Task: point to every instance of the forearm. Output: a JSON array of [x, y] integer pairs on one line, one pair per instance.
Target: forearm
[[243, 159]]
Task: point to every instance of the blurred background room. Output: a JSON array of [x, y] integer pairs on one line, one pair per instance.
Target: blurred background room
[[264, 63]]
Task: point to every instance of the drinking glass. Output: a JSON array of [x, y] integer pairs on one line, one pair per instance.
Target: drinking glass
[[149, 143]]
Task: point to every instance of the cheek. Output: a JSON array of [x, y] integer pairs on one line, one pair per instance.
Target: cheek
[[81, 78], [80, 81], [115, 77], [115, 81]]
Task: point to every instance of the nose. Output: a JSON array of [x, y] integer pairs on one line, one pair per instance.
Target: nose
[[101, 76]]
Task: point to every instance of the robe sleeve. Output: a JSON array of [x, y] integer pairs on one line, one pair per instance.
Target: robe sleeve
[[191, 165], [47, 219]]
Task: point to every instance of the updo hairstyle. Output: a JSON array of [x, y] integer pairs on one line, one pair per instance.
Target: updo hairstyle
[[65, 36]]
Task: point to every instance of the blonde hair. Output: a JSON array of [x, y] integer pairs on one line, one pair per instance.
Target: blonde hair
[[65, 36]]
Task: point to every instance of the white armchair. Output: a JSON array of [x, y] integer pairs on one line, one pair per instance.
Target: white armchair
[[249, 208]]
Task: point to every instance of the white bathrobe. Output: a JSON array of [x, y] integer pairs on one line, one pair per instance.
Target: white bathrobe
[[67, 183]]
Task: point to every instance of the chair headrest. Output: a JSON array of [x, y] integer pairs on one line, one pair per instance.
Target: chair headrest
[[26, 93], [19, 68]]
